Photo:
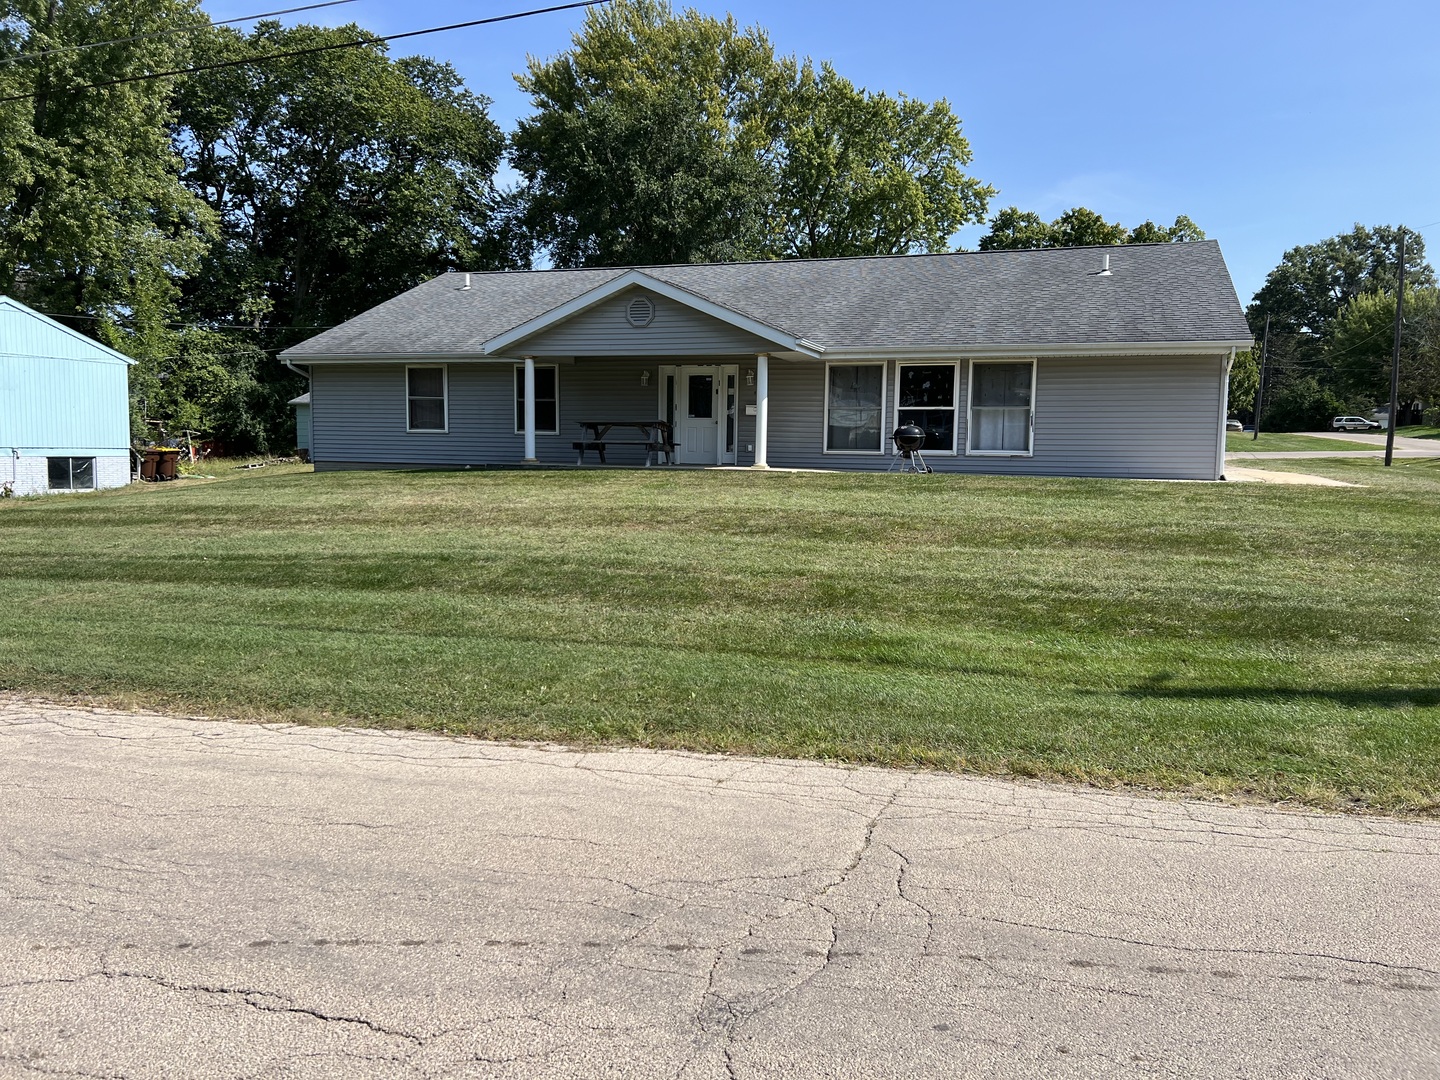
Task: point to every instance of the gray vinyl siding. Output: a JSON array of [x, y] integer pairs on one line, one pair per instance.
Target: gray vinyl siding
[[1108, 416], [675, 331], [358, 414]]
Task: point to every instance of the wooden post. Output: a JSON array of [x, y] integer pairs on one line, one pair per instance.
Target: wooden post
[[1395, 356]]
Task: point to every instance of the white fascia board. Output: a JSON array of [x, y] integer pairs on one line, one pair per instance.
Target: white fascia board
[[958, 352], [632, 278]]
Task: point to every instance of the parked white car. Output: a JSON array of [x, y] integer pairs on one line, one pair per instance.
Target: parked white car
[[1353, 423], [1234, 425]]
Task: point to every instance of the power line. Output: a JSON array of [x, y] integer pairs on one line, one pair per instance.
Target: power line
[[201, 325], [358, 42], [167, 33]]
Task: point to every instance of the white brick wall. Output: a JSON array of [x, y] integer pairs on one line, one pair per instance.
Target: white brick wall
[[112, 472], [31, 475]]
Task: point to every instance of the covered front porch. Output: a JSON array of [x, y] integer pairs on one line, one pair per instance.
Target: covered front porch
[[676, 410]]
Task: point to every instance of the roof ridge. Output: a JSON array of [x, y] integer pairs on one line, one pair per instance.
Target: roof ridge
[[833, 259]]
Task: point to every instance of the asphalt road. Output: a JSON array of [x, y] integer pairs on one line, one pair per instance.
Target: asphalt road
[[198, 899]]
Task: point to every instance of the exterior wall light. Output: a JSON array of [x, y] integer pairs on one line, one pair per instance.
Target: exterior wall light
[[645, 378], [750, 377]]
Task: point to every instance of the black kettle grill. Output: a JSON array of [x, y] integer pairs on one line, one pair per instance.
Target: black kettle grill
[[909, 439]]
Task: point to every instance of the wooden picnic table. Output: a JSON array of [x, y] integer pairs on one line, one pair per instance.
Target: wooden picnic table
[[654, 436]]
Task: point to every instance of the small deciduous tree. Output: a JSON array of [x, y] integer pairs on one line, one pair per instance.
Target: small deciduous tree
[[1360, 349], [1244, 382], [1013, 228]]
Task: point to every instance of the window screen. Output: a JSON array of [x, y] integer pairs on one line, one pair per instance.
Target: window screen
[[855, 402], [1000, 407], [426, 398]]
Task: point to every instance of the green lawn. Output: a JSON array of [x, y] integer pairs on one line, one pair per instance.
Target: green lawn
[[1281, 642], [1283, 442], [1419, 431]]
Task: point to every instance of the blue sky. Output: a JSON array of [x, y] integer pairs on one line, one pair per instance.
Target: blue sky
[[1271, 124]]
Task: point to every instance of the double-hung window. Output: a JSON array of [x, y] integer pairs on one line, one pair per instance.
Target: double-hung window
[[1001, 407], [547, 399], [425, 393], [854, 408], [71, 473], [926, 396]]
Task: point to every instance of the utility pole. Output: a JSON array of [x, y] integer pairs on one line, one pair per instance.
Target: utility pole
[[1395, 355], [1260, 390]]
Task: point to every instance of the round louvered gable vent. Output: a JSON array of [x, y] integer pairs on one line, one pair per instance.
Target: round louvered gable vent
[[640, 311]]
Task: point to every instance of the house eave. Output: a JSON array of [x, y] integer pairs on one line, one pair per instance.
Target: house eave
[[803, 350], [1110, 348]]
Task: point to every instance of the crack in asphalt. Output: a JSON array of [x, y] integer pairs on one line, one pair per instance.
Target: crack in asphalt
[[731, 954]]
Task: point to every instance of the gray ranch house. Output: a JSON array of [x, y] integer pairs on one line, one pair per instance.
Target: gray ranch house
[[1076, 362]]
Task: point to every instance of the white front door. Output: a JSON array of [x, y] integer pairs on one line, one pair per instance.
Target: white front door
[[699, 412]]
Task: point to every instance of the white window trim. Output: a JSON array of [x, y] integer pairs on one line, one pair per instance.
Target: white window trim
[[1029, 450], [884, 366], [954, 404], [515, 390], [445, 388]]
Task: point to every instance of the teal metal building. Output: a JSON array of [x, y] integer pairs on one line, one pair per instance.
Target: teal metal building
[[64, 406]]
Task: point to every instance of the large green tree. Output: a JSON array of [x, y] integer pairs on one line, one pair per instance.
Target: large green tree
[[339, 178], [778, 159], [861, 173], [1305, 294], [643, 144], [93, 217], [1360, 349], [1078, 227]]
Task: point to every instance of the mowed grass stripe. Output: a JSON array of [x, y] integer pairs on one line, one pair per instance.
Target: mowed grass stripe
[[1193, 636]]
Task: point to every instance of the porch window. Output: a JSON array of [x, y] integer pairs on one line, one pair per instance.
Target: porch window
[[1001, 399], [547, 399], [926, 396], [71, 473], [425, 389], [854, 407]]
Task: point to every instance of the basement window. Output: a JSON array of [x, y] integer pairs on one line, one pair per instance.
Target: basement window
[[71, 473]]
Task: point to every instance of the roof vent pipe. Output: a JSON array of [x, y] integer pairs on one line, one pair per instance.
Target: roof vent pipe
[[1104, 266], [467, 283]]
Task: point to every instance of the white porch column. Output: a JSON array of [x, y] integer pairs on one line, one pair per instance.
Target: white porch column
[[530, 410], [762, 409]]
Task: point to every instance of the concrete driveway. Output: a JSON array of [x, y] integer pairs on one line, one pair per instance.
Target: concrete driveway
[[199, 899]]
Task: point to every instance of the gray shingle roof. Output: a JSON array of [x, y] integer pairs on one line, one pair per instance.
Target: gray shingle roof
[[1155, 293]]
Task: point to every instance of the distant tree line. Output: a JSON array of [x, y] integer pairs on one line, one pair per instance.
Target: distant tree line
[[201, 223]]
